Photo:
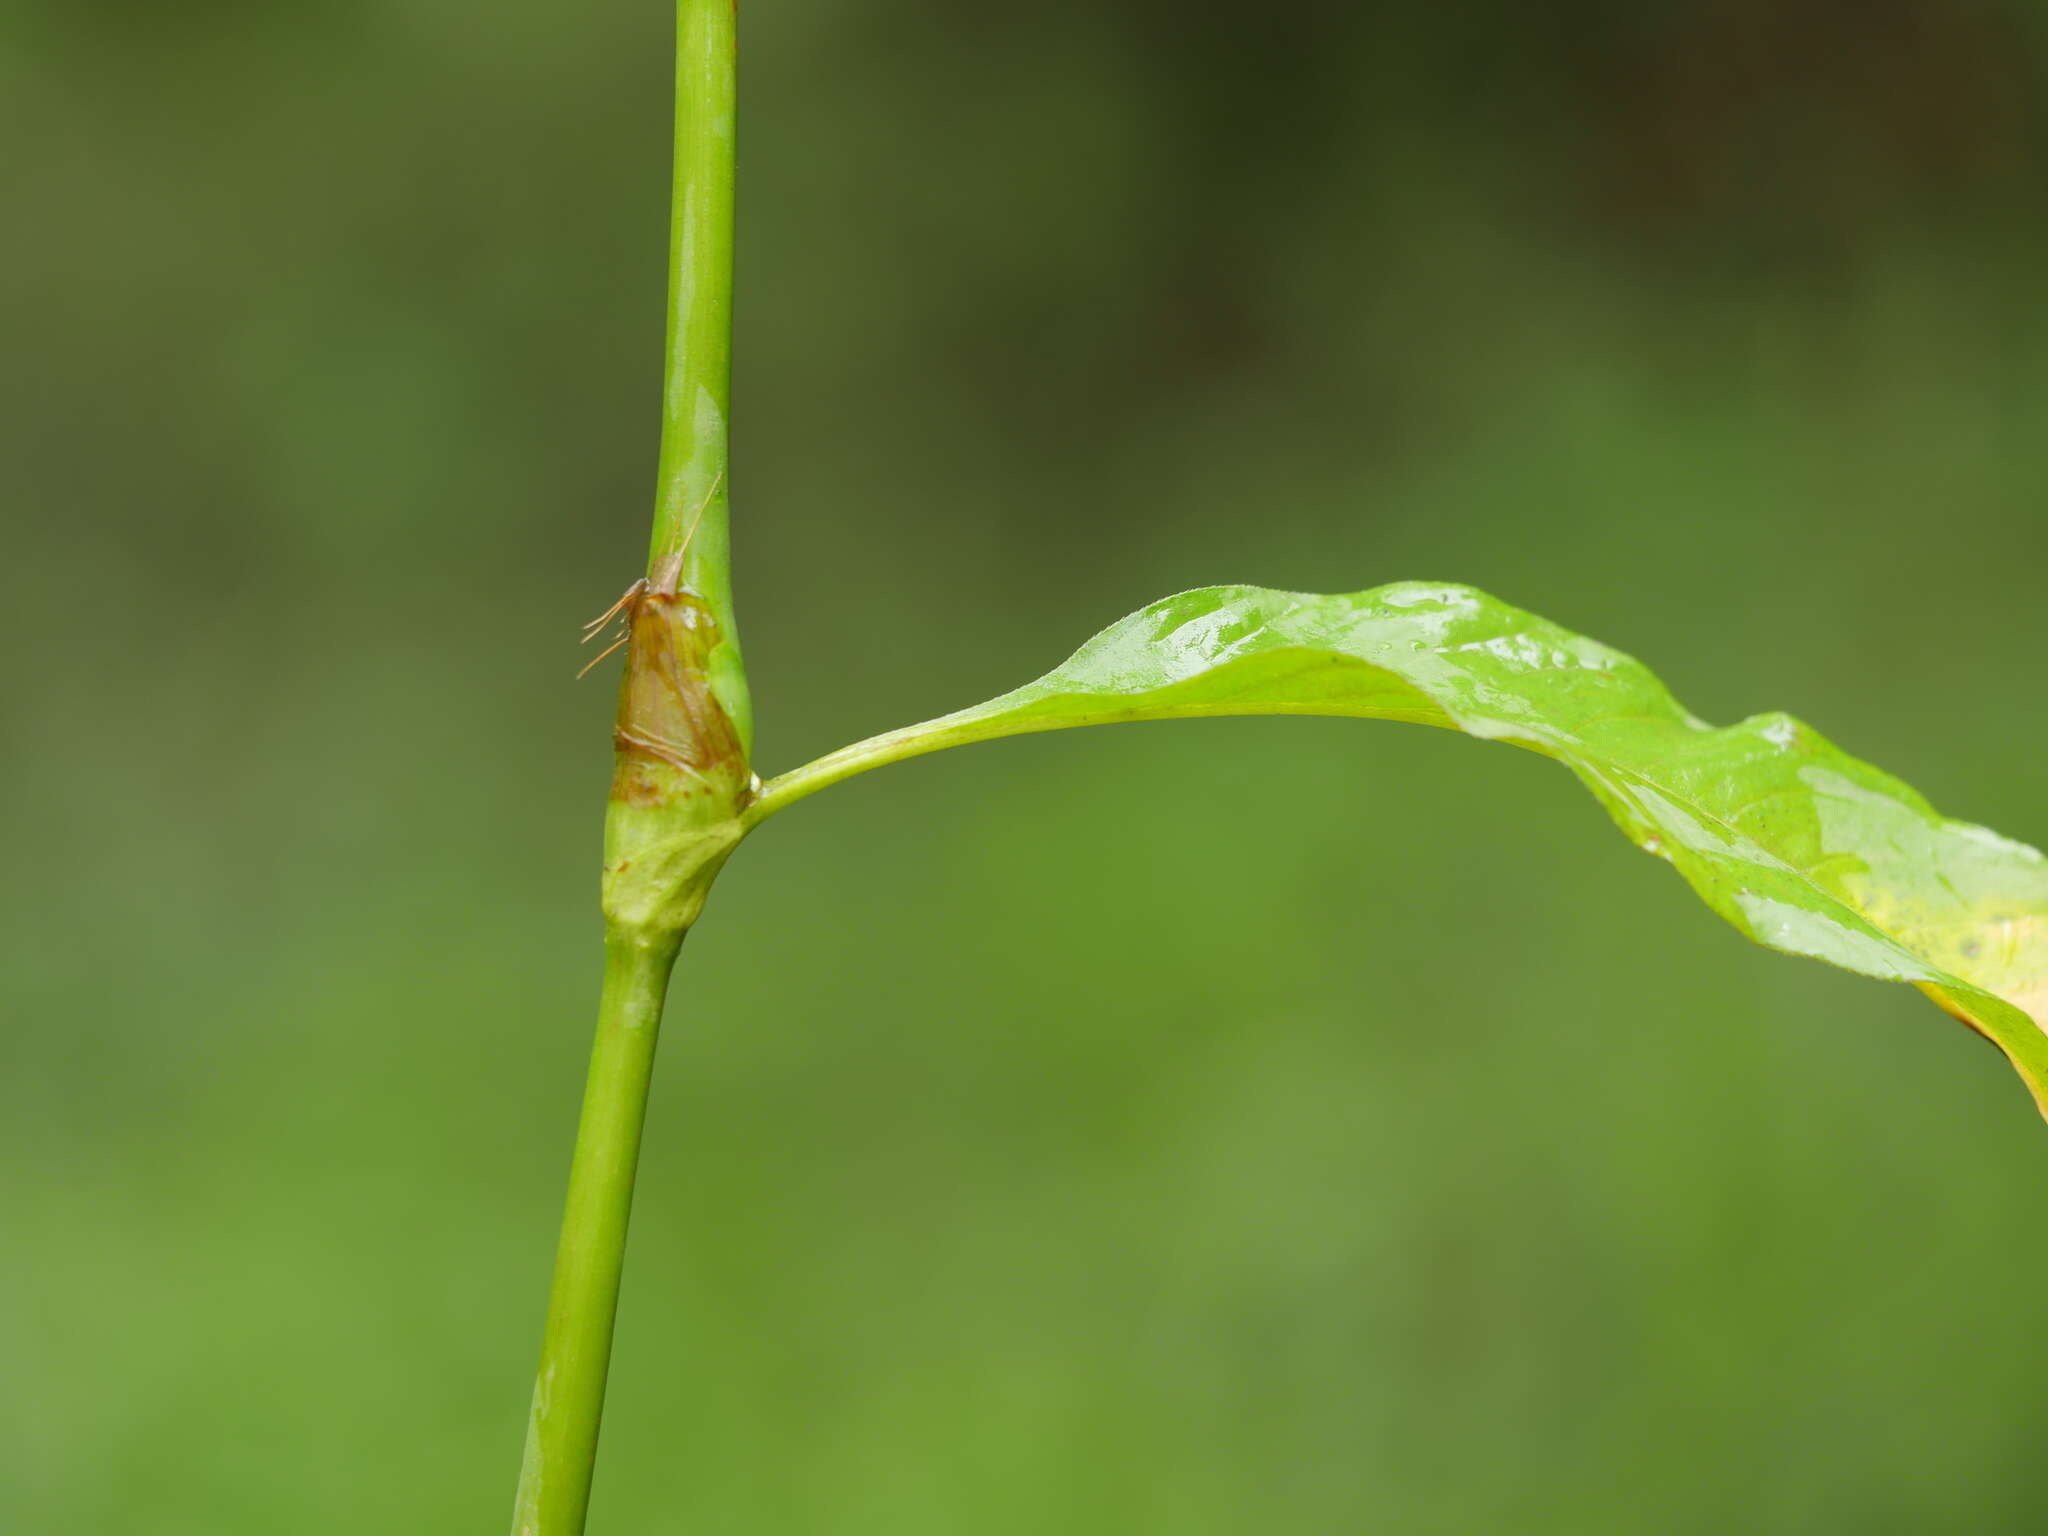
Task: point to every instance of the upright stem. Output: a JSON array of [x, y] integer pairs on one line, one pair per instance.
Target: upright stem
[[681, 782], [694, 487], [568, 1396]]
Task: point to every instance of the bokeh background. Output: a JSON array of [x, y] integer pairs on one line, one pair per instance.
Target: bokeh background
[[1245, 1126]]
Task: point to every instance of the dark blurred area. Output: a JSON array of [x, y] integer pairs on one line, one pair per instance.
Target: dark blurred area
[[1247, 1126]]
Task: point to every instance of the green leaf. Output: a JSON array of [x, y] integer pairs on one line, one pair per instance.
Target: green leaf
[[1800, 846]]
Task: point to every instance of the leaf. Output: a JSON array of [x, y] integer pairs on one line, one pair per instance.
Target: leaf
[[1800, 846]]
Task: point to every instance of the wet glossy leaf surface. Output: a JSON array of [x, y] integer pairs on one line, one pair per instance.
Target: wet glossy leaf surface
[[1800, 846]]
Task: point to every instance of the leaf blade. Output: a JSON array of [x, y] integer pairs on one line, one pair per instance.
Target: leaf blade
[[1798, 845]]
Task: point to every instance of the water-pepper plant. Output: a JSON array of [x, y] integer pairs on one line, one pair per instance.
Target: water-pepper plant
[[1800, 846]]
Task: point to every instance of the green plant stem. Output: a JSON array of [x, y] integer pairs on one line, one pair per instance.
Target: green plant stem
[[682, 776], [568, 1396], [693, 485]]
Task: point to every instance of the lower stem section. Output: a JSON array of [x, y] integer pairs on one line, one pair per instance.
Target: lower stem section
[[568, 1395]]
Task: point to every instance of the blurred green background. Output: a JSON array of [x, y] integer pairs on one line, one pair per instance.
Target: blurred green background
[[1247, 1126]]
